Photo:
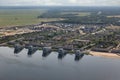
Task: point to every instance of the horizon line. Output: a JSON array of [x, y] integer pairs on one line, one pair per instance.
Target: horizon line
[[57, 6]]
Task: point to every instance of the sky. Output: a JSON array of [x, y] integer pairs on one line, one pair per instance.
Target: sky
[[59, 2]]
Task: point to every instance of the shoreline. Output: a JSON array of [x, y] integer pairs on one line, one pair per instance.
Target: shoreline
[[104, 54]]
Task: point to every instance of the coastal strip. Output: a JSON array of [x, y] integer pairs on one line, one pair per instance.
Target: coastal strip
[[104, 54]]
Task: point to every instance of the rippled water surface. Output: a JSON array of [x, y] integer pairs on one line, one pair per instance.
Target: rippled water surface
[[36, 67]]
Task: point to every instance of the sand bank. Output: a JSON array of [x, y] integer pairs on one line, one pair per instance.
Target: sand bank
[[104, 54]]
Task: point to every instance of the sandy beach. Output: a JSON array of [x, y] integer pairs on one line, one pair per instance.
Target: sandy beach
[[104, 54]]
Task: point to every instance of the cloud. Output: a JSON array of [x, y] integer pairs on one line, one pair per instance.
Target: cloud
[[60, 2], [73, 1]]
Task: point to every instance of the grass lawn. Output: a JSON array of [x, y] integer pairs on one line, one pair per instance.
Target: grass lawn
[[14, 17], [78, 13]]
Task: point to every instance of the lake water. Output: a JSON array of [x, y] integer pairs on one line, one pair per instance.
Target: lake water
[[36, 67]]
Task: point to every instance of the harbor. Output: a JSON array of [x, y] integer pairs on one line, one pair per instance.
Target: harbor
[[48, 50], [63, 52]]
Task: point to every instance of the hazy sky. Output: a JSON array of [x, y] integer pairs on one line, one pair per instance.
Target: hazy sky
[[60, 2]]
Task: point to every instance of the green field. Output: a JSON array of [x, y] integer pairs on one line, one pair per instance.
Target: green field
[[15, 17], [78, 13], [18, 17]]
